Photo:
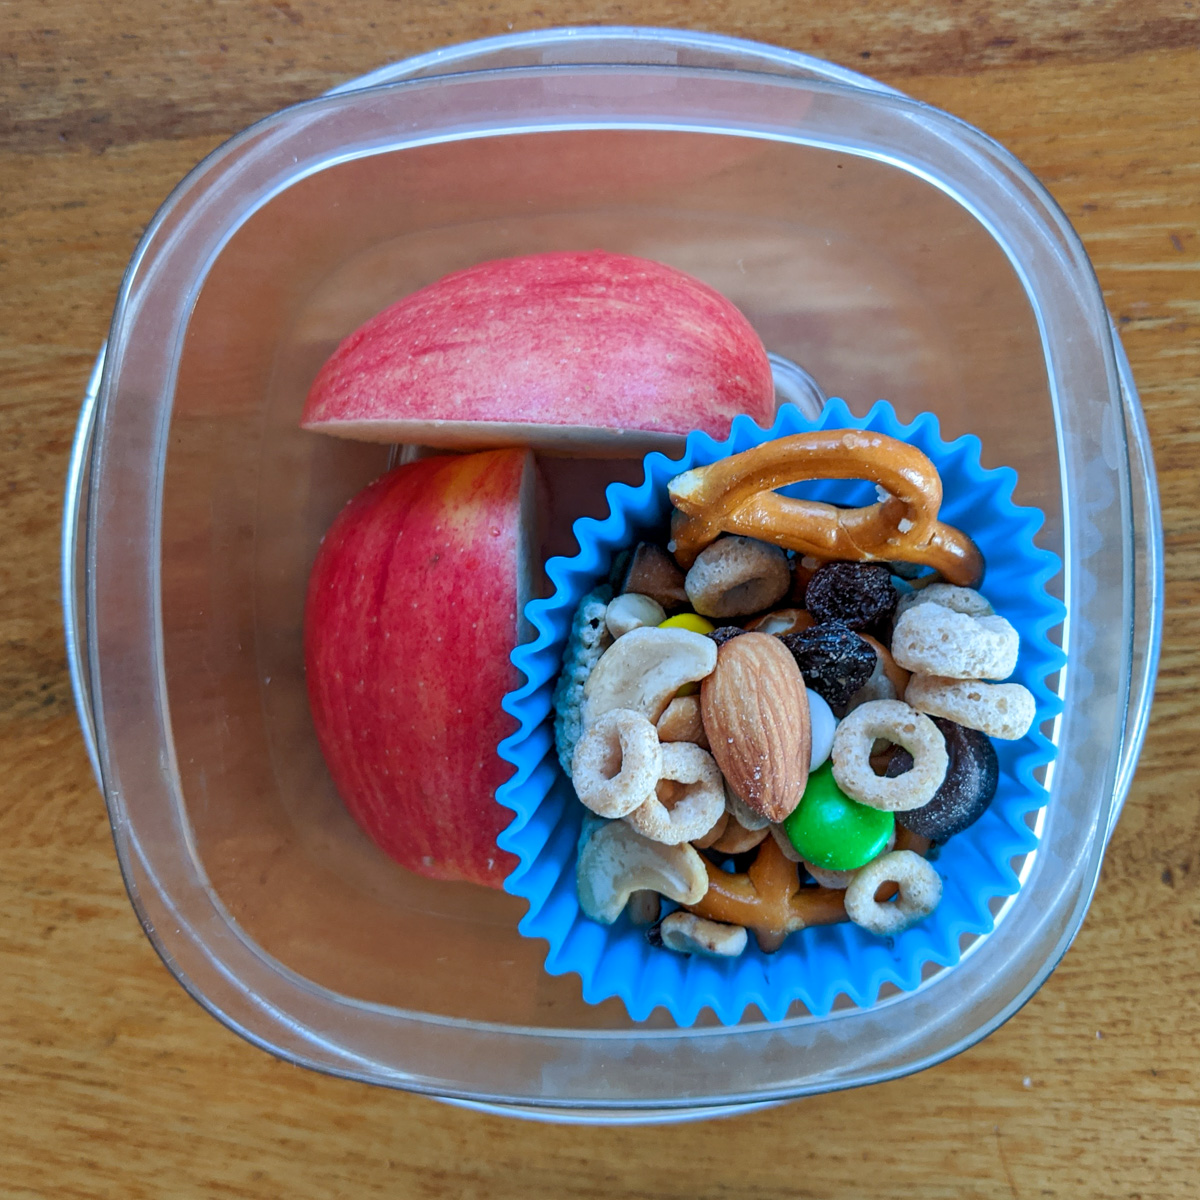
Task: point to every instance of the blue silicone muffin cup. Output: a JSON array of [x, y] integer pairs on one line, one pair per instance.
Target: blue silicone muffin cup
[[815, 965]]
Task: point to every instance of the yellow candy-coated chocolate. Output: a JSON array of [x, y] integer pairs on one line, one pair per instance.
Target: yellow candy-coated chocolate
[[692, 621]]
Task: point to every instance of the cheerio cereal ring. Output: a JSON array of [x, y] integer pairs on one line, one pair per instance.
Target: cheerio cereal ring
[[696, 810], [935, 640], [1001, 710], [736, 576], [617, 762], [920, 891], [896, 722]]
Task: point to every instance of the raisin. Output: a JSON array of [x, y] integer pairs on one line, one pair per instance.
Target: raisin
[[833, 659], [724, 633], [965, 793], [859, 594]]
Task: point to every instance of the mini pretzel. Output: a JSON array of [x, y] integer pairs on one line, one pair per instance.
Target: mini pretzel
[[898, 723], [769, 898], [737, 495], [696, 810], [617, 762]]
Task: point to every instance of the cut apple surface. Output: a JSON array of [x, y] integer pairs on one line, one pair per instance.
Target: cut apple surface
[[414, 605], [586, 353]]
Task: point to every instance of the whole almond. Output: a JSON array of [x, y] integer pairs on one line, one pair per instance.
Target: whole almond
[[755, 712]]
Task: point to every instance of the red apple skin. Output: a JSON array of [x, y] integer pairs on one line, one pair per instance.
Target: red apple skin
[[592, 353], [411, 615]]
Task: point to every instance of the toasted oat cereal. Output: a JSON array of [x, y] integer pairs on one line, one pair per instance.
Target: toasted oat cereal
[[896, 722], [920, 891]]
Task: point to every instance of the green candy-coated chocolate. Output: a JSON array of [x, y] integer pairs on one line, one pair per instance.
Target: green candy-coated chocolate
[[830, 830]]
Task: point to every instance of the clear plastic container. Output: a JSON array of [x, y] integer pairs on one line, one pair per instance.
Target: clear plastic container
[[889, 248]]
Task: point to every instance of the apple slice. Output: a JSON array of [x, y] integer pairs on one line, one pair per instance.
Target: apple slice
[[589, 353], [414, 605]]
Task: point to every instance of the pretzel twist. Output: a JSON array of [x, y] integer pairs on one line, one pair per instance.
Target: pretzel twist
[[737, 495]]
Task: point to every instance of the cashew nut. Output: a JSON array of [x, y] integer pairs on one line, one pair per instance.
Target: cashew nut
[[714, 834], [631, 611], [681, 722], [644, 907], [686, 933], [737, 839], [644, 669], [616, 861]]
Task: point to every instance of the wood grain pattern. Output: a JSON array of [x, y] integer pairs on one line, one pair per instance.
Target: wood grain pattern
[[116, 1085]]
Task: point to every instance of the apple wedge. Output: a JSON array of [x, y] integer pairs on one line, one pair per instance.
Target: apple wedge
[[414, 605], [589, 353]]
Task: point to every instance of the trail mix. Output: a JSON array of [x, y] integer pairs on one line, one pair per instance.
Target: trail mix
[[774, 716]]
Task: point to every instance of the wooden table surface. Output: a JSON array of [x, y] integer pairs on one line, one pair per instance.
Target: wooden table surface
[[115, 1084]]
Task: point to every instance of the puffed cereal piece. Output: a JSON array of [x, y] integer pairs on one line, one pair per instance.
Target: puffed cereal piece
[[920, 892], [957, 599], [935, 640], [588, 640], [1001, 710], [842, 879]]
